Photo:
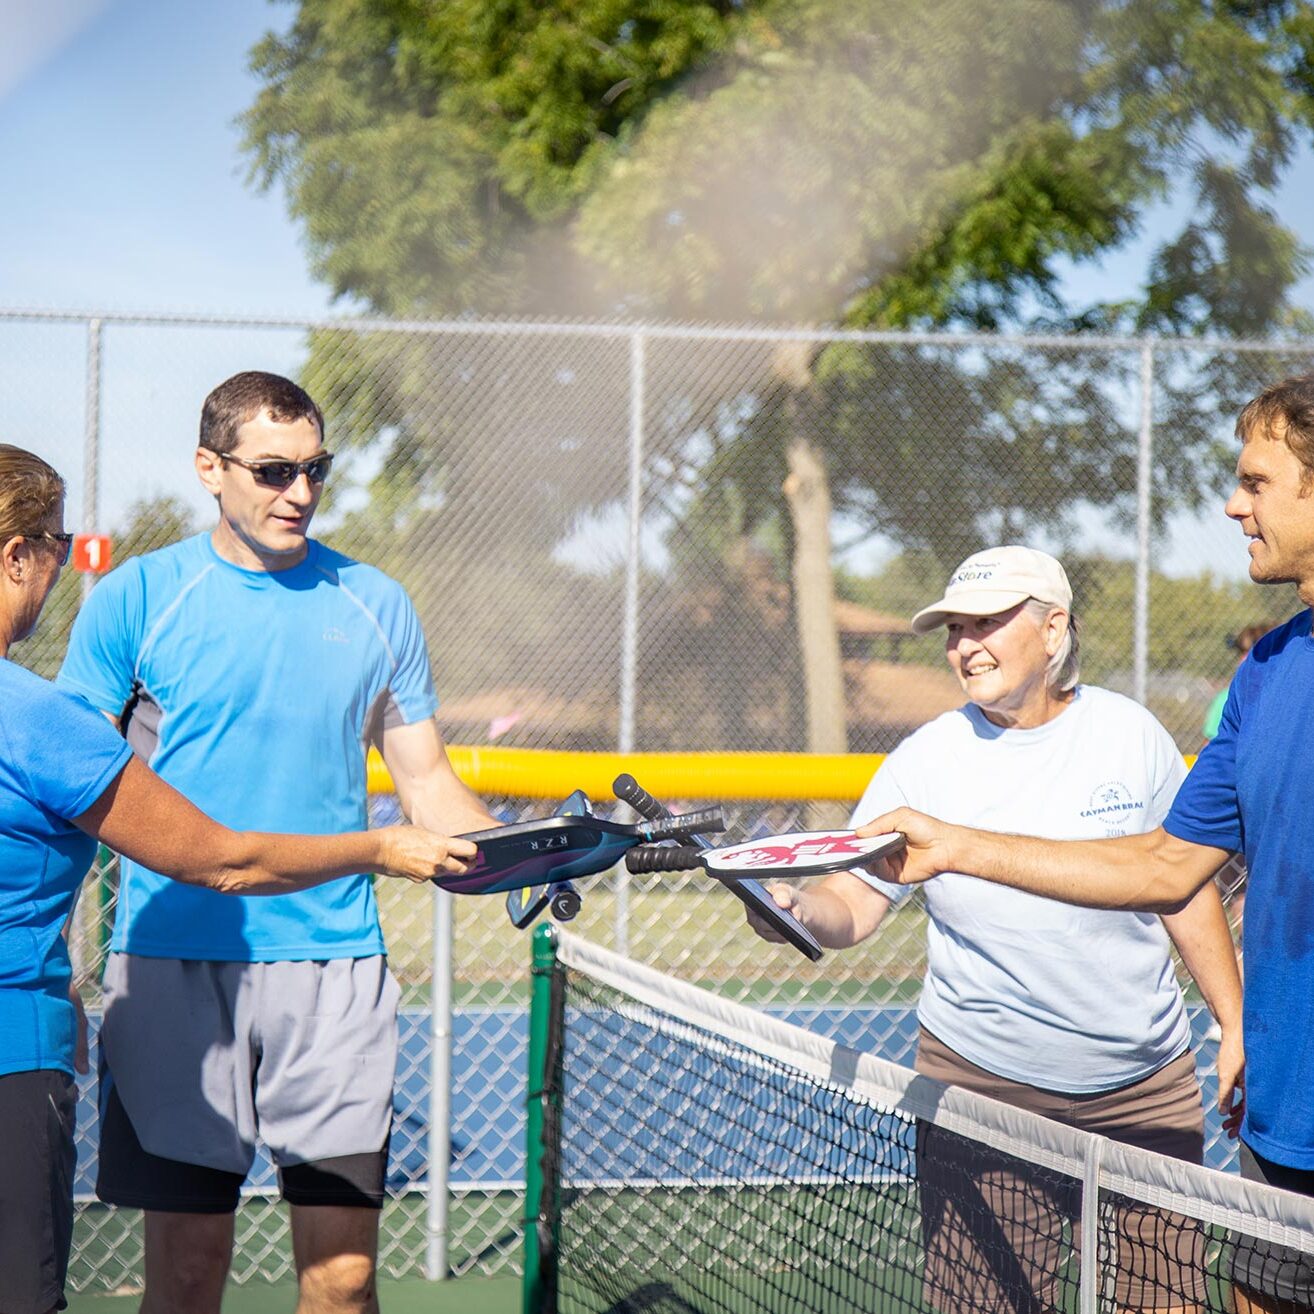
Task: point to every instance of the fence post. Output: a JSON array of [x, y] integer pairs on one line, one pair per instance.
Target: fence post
[[630, 621], [438, 1152], [91, 442], [87, 931], [1144, 475]]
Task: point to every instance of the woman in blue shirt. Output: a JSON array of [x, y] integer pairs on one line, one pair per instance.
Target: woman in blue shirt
[[67, 781]]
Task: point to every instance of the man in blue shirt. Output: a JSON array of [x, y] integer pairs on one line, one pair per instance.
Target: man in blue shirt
[[252, 667], [1251, 791]]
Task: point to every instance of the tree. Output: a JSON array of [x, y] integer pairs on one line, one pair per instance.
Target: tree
[[865, 162]]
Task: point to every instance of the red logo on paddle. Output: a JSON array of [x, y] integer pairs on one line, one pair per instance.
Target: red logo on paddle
[[845, 844]]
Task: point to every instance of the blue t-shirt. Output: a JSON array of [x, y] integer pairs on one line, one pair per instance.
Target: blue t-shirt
[[257, 693], [1252, 791], [57, 757]]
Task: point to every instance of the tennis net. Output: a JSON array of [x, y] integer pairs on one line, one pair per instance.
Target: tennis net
[[687, 1153]]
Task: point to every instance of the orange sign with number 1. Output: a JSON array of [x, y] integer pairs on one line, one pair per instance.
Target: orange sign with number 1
[[91, 553]]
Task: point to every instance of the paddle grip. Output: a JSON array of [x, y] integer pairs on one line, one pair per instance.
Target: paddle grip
[[661, 857], [628, 790], [685, 823]]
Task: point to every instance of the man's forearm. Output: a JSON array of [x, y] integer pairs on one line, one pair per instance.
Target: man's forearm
[[1152, 872], [449, 807], [1204, 940]]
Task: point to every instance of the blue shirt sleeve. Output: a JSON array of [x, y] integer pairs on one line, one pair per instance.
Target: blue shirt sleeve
[[67, 753], [411, 685], [1207, 809], [102, 650]]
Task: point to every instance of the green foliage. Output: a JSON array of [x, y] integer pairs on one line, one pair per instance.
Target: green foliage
[[862, 160], [428, 147]]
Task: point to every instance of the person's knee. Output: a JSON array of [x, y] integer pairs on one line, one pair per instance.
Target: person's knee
[[339, 1284], [186, 1264]]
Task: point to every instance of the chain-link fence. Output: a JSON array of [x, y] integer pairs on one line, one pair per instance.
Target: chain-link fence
[[608, 533]]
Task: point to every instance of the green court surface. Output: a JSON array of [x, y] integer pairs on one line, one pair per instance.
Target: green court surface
[[469, 1295]]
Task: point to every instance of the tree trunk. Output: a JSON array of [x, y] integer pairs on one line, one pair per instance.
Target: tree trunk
[[807, 489]]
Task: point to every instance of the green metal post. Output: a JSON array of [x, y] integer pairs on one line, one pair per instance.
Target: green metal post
[[543, 1126]]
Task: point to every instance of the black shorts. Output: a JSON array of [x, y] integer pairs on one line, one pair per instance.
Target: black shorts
[[1263, 1267], [129, 1175], [37, 1161]]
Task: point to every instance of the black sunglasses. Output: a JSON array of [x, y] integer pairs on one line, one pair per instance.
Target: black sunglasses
[[283, 474], [63, 543]]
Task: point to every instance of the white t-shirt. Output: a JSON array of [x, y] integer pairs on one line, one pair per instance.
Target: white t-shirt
[[1042, 992]]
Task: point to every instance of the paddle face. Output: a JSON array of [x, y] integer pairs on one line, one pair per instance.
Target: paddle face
[[800, 853], [524, 905], [548, 851]]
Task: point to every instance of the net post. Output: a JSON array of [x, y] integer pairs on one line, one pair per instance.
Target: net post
[[543, 1125], [1088, 1284]]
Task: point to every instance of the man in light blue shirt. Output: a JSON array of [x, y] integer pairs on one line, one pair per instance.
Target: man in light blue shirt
[[252, 667]]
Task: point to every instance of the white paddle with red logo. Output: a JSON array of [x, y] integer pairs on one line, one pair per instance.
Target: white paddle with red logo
[[800, 853]]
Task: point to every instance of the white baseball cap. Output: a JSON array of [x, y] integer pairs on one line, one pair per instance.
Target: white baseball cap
[[995, 580]]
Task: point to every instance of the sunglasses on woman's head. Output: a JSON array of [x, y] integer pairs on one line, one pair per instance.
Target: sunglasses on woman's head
[[283, 474]]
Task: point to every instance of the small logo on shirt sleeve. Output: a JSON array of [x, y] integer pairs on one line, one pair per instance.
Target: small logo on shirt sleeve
[[335, 635]]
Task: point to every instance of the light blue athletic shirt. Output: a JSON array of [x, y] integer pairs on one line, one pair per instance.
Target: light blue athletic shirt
[[259, 691], [57, 757], [1252, 791]]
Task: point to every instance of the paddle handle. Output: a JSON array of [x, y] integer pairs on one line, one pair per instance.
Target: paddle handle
[[628, 790], [678, 825], [662, 857]]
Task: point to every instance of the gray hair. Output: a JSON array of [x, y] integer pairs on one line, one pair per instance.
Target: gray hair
[[1063, 673]]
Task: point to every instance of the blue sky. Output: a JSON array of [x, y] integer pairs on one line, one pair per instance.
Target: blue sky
[[117, 134]]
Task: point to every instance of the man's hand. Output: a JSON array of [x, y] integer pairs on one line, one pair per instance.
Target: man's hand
[[418, 854], [928, 847], [1231, 1070]]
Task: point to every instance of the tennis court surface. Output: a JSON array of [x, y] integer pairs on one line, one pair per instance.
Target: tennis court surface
[[459, 1296]]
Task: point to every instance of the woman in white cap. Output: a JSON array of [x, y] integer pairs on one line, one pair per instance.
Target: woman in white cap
[[1070, 1012]]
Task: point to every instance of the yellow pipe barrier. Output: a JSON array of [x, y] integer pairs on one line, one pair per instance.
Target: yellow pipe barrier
[[543, 773]]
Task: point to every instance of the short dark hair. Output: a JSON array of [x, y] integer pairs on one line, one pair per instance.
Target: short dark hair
[[1284, 410], [245, 396]]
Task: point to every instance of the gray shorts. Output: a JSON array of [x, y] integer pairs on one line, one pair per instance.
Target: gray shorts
[[206, 1056]]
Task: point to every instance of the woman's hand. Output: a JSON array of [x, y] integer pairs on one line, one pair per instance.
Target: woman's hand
[[791, 899], [418, 854]]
